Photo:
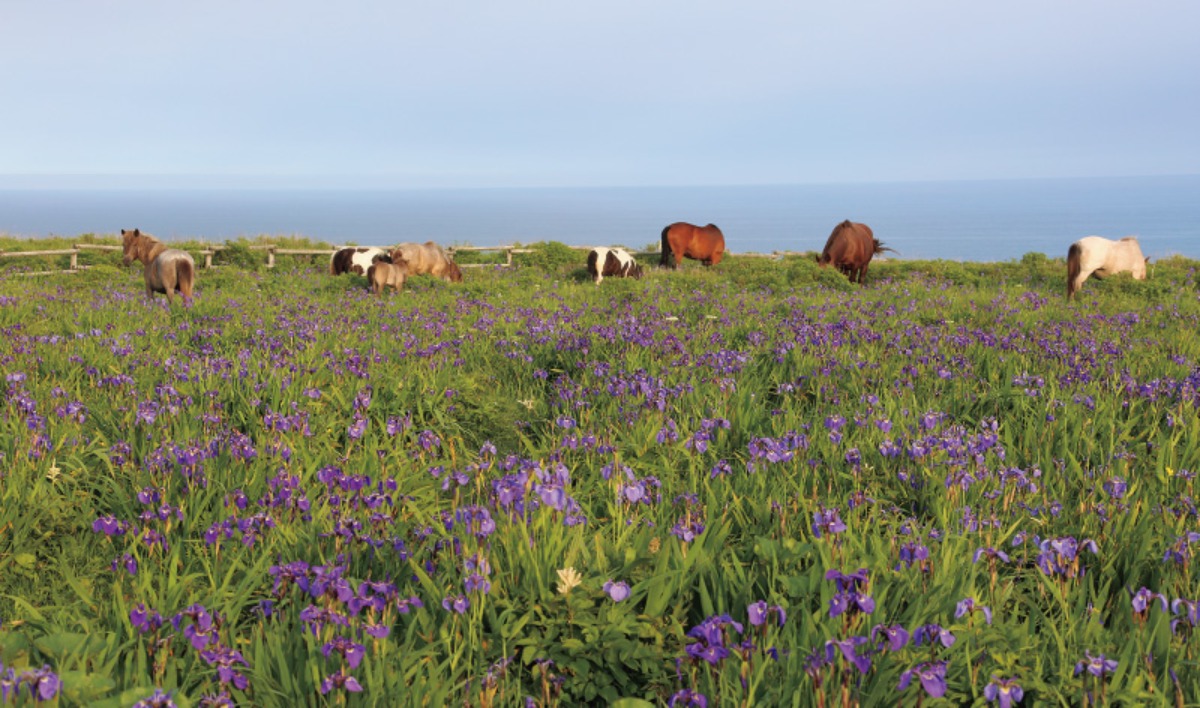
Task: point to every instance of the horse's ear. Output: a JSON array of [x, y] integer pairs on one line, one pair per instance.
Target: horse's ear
[[137, 232], [1147, 261]]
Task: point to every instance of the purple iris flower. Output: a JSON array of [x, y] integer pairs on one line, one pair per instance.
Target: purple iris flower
[[457, 603], [352, 651], [932, 676], [1095, 665], [1189, 611], [1116, 488], [852, 581], [340, 680], [1141, 601], [687, 697], [930, 633], [713, 654], [849, 651], [991, 554], [827, 521], [618, 591], [1004, 691], [758, 612], [145, 620], [851, 601], [968, 606], [895, 637], [109, 526]]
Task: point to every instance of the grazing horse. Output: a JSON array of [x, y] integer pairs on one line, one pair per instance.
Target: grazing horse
[[614, 262], [381, 274], [682, 240], [1098, 256], [165, 269], [427, 258], [850, 248], [356, 260]]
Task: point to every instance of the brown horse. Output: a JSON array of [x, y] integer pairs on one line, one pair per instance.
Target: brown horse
[[682, 240], [1100, 257], [850, 248], [166, 269], [428, 258], [381, 274]]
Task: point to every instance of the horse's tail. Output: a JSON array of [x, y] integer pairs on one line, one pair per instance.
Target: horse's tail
[[666, 247], [880, 248], [1074, 267], [185, 278]]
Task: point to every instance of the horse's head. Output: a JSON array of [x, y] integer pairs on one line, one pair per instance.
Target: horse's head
[[130, 242], [635, 271], [453, 272]]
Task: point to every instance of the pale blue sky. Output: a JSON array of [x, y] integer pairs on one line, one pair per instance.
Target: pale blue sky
[[620, 92]]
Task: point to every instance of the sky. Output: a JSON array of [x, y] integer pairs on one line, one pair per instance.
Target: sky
[[620, 92]]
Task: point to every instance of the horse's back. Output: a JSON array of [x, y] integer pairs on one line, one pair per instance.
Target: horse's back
[[703, 243]]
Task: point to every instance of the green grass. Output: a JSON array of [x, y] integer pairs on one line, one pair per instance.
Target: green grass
[[1017, 417]]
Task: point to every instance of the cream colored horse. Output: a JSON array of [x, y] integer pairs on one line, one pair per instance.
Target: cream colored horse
[[165, 269], [1102, 257], [428, 258]]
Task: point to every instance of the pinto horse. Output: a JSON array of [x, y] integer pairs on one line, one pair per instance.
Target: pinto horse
[[356, 259], [682, 240], [613, 262], [427, 258], [1098, 256], [165, 269], [850, 248]]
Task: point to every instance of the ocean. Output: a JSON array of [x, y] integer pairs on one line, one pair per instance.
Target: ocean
[[988, 220]]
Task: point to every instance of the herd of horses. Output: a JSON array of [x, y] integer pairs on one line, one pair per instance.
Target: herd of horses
[[849, 249]]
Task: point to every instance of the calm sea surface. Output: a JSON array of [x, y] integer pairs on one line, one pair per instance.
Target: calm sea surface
[[976, 220]]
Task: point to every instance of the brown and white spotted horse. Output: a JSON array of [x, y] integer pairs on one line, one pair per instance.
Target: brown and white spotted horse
[[613, 262], [356, 260]]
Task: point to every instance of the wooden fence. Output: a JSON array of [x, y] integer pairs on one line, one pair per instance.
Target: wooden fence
[[209, 251]]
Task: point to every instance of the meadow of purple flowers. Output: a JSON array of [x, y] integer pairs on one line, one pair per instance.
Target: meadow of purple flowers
[[702, 488]]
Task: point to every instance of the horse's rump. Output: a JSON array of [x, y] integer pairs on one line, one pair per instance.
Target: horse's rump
[[1095, 255], [164, 269], [427, 259]]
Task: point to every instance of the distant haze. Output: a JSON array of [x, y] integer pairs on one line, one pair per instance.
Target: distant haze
[[272, 94]]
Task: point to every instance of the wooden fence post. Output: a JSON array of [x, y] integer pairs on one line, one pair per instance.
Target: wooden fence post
[[271, 257], [75, 259]]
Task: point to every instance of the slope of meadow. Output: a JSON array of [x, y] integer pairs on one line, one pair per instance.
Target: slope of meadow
[[757, 485]]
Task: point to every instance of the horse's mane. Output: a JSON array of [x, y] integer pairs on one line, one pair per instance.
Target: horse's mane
[[1130, 238]]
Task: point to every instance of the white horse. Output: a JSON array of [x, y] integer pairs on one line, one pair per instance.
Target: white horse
[[1101, 257]]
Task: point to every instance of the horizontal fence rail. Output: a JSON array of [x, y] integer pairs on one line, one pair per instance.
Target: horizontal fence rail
[[208, 252]]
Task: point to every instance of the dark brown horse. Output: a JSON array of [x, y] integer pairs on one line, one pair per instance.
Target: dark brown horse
[[850, 248], [701, 243], [165, 269]]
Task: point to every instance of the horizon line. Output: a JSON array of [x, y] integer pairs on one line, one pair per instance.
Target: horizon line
[[263, 182]]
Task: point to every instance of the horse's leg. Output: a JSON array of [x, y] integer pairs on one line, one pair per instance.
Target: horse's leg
[[862, 275], [1077, 281]]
